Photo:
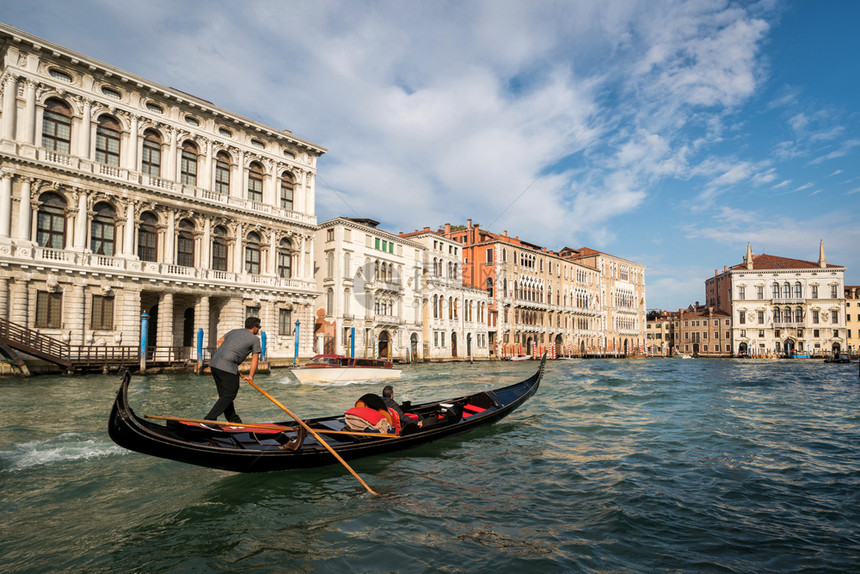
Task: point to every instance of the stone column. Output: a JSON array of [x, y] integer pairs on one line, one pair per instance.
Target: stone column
[[128, 243], [5, 205], [237, 176], [170, 238], [81, 222], [299, 191], [132, 145], [19, 311], [164, 335], [25, 215], [207, 170], [170, 170], [10, 108], [127, 312], [86, 130], [273, 253], [30, 113], [301, 270], [74, 314], [238, 254], [205, 258], [310, 199]]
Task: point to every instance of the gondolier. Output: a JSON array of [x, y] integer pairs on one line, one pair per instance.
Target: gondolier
[[233, 349]]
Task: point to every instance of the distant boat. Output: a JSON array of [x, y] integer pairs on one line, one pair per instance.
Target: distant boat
[[838, 359], [680, 355], [520, 358], [331, 368]]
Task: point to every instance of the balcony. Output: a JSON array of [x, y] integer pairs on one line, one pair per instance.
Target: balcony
[[162, 185], [69, 259]]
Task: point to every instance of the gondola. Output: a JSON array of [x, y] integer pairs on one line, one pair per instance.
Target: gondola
[[253, 449]]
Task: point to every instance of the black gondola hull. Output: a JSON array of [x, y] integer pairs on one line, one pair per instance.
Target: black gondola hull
[[251, 452]]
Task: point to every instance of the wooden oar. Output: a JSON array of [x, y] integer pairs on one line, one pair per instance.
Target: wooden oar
[[313, 432], [268, 426]]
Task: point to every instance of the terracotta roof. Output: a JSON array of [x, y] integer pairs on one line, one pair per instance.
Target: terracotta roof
[[765, 261]]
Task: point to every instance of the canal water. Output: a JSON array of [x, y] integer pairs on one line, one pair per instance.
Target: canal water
[[655, 465]]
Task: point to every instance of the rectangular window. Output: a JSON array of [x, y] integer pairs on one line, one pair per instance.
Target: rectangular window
[[833, 292], [252, 312], [761, 317], [742, 293], [834, 317], [188, 169], [49, 310], [219, 255], [742, 317], [285, 321], [815, 317], [760, 292], [102, 319], [815, 291]]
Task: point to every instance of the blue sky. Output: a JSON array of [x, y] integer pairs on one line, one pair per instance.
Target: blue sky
[[670, 133]]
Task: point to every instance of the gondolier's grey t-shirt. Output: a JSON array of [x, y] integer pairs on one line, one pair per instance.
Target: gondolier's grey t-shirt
[[237, 345]]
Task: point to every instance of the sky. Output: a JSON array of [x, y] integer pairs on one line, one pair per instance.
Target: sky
[[665, 132]]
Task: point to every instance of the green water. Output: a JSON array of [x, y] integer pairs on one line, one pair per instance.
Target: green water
[[614, 466]]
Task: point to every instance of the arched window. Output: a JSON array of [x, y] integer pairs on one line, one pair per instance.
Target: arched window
[[185, 244], [346, 297], [798, 315], [255, 182], [490, 286], [329, 301], [188, 167], [786, 290], [147, 237], [777, 315], [435, 306], [151, 160], [798, 293], [219, 249], [51, 221], [285, 259], [57, 126], [222, 173], [776, 290], [252, 254], [287, 184], [103, 229], [107, 141]]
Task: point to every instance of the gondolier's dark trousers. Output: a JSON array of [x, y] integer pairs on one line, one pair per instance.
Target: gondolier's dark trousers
[[228, 387]]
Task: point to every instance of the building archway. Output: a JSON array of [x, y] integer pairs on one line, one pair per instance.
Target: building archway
[[384, 345], [743, 350], [836, 348], [789, 347], [188, 328], [413, 345]]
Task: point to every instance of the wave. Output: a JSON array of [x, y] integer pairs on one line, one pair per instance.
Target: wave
[[60, 449]]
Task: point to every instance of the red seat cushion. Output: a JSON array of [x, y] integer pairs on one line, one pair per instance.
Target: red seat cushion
[[370, 415]]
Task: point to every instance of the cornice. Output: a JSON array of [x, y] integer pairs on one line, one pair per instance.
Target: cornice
[[15, 36]]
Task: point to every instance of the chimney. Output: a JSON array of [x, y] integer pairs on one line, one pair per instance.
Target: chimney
[[749, 257], [822, 260], [447, 228], [725, 268], [506, 233], [469, 222]]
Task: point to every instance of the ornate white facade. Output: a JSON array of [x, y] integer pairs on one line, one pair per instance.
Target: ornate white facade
[[370, 281], [454, 315], [119, 196], [782, 306]]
